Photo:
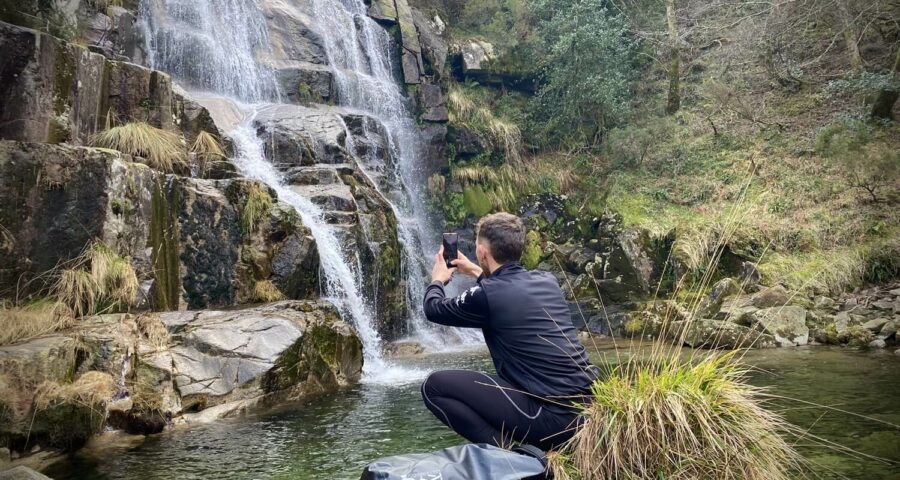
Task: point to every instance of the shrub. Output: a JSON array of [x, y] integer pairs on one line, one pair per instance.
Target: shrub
[[266, 291], [531, 256], [161, 149]]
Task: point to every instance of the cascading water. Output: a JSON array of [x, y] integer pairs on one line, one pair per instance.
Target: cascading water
[[211, 47]]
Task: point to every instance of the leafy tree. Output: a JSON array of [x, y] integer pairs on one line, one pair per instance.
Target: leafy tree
[[587, 73]]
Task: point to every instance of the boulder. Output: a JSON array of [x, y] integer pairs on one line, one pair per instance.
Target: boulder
[[737, 309], [476, 54], [433, 41], [221, 356], [875, 325], [301, 136], [404, 349], [432, 104], [713, 302], [877, 343], [305, 83], [786, 324], [776, 296], [468, 143], [292, 34]]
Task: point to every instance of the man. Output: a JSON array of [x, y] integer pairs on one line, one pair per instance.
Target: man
[[542, 368]]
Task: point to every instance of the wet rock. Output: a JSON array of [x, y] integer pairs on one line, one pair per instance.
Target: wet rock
[[305, 83], [468, 143], [889, 330], [411, 57], [786, 324], [383, 11], [877, 343], [431, 99], [404, 349], [433, 40], [541, 211], [292, 34], [22, 473], [738, 310]]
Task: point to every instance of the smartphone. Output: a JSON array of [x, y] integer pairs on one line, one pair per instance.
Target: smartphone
[[451, 242]]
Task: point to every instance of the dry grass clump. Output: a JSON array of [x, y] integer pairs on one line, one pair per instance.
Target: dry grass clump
[[153, 330], [91, 390], [678, 420], [501, 133], [98, 281], [7, 241], [162, 149], [256, 209], [207, 150], [266, 291], [22, 323]]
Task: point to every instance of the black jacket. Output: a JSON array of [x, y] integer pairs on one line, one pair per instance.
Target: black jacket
[[527, 328]]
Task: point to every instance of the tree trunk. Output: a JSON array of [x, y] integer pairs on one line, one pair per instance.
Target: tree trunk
[[674, 102], [884, 102], [851, 38]]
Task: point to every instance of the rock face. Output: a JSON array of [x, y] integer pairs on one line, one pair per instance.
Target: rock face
[[167, 365], [53, 91], [183, 236], [312, 146]]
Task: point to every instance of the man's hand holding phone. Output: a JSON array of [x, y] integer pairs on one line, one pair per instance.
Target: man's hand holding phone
[[465, 266], [440, 272]]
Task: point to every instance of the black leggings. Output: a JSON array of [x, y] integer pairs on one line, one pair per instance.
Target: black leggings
[[485, 409]]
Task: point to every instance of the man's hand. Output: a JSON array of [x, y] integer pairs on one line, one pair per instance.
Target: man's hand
[[466, 266], [440, 272]]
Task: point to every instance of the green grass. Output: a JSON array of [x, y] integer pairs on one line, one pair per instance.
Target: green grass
[[256, 208], [467, 110], [676, 419]]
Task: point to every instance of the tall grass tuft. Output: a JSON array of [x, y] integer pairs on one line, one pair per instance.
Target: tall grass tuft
[[207, 150], [266, 291], [91, 390], [162, 149], [502, 134], [257, 207], [98, 281], [678, 419], [20, 323]]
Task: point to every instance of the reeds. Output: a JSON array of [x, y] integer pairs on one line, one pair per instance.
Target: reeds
[[162, 149]]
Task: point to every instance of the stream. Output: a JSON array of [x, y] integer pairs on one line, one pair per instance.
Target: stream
[[335, 436]]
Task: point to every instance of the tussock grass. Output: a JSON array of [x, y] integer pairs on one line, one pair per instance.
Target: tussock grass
[[266, 291], [256, 208], [207, 150], [91, 390], [501, 133], [162, 149], [7, 241], [679, 420], [98, 281], [23, 323]]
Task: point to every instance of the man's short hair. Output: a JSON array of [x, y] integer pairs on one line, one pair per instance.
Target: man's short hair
[[505, 234]]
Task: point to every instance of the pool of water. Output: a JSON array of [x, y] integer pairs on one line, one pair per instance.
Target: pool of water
[[335, 436]]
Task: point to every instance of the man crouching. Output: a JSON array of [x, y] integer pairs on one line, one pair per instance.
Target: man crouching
[[542, 368]]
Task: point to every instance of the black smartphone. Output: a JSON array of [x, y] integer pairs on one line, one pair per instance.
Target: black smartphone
[[451, 242]]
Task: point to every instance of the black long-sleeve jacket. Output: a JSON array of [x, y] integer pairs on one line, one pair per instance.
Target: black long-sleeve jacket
[[527, 328]]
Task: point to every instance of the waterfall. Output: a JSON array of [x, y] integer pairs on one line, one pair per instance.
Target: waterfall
[[212, 47]]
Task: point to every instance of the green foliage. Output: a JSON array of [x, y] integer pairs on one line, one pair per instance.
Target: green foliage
[[868, 164], [256, 209], [476, 201], [454, 208], [531, 256], [588, 73], [470, 110]]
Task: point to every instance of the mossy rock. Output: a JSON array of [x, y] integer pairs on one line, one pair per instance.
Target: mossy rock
[[531, 257], [476, 201]]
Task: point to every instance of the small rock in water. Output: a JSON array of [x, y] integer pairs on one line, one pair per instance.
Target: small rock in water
[[877, 343], [405, 349]]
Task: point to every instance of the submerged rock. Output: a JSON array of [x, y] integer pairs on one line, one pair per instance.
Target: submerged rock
[[716, 334]]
